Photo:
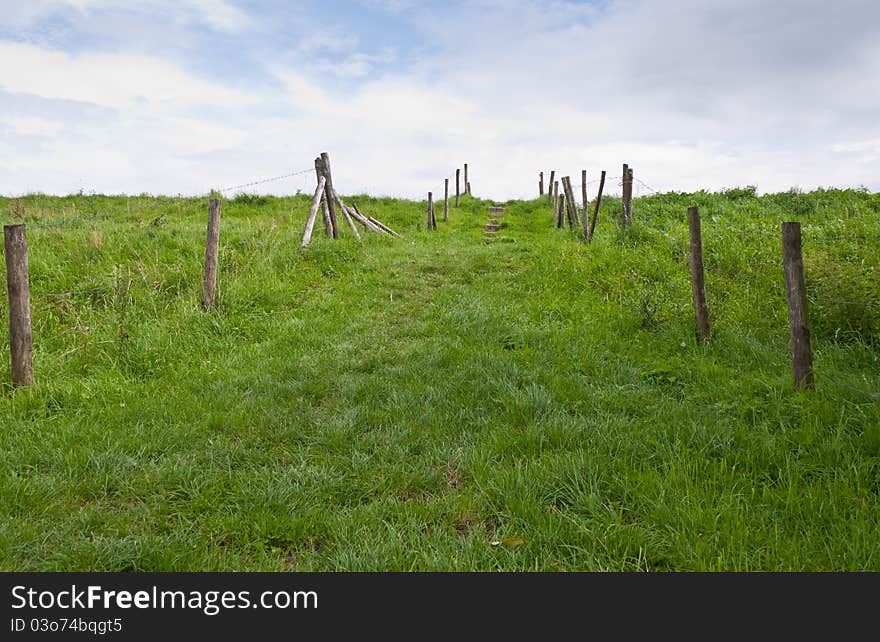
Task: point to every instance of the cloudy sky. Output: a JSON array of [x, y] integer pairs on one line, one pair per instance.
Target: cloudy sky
[[181, 96]]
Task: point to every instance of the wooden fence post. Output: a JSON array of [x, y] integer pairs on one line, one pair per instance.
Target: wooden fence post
[[209, 285], [19, 290], [313, 212], [630, 179], [596, 209], [328, 191], [432, 223], [584, 197], [446, 199], [698, 282], [550, 195], [560, 214], [325, 209], [626, 199], [457, 187], [555, 197], [571, 204], [467, 185], [798, 316], [540, 184]]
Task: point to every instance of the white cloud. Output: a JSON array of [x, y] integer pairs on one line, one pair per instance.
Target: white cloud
[[110, 80]]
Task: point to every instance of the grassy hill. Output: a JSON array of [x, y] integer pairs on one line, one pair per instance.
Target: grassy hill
[[445, 401]]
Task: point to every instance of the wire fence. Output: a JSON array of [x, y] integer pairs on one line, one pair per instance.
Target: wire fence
[[716, 222], [158, 203]]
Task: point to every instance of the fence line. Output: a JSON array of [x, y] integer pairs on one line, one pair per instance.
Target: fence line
[[158, 203], [713, 221]]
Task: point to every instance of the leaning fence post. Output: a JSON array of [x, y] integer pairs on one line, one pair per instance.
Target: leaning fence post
[[796, 295], [432, 223], [457, 186], [209, 285], [313, 212], [698, 282], [550, 195], [573, 218], [446, 199], [596, 209], [19, 290], [345, 213]]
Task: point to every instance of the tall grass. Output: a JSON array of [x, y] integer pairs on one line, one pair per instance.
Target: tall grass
[[445, 401]]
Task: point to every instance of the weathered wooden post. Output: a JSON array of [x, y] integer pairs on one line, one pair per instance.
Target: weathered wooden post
[[457, 187], [446, 199], [467, 185], [584, 197], [630, 179], [560, 214], [571, 205], [626, 200], [432, 223], [698, 282], [313, 212], [19, 291], [596, 209], [325, 209], [798, 316], [209, 285], [550, 195], [328, 191], [540, 184], [555, 197]]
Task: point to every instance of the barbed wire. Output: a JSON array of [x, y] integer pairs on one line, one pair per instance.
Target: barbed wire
[[158, 202], [264, 180]]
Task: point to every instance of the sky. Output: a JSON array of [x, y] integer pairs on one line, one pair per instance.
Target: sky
[[185, 96]]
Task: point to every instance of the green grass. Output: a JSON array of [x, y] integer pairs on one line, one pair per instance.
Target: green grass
[[407, 404]]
